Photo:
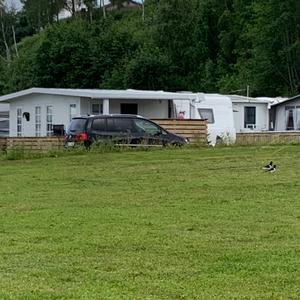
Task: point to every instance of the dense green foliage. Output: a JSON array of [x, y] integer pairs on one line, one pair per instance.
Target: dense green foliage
[[164, 224], [197, 45]]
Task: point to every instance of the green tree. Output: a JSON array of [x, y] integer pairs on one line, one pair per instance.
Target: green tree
[[206, 46], [41, 13], [147, 70], [187, 34], [78, 54], [269, 61], [8, 20], [90, 4], [22, 73]]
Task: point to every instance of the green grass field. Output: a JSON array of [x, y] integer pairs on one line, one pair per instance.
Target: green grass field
[[163, 224]]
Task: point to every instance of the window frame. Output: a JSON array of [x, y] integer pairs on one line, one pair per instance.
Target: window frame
[[210, 110], [297, 109], [246, 123], [49, 132], [100, 106], [288, 109], [38, 120], [19, 121]]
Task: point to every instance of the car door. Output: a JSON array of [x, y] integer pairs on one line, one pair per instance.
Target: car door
[[97, 130], [119, 129]]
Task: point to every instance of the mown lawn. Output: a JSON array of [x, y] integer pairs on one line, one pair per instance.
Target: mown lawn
[[165, 224]]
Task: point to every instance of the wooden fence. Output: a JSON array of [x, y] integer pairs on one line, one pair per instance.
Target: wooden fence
[[32, 143], [3, 143], [194, 130], [268, 137]]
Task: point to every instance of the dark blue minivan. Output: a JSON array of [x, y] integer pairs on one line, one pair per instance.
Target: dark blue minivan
[[122, 129]]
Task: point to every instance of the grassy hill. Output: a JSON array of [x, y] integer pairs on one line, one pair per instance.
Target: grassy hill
[[164, 224]]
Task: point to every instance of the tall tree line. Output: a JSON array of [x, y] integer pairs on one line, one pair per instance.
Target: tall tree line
[[199, 45]]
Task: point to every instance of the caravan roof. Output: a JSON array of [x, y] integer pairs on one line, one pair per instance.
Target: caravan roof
[[245, 99], [101, 94]]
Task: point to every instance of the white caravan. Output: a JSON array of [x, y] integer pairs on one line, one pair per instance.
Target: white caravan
[[218, 111]]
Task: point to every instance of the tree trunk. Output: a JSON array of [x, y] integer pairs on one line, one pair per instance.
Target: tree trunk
[[287, 58], [143, 10], [73, 8], [8, 56], [103, 9], [91, 14], [15, 42]]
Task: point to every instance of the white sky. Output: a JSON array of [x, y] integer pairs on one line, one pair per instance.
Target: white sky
[[16, 4]]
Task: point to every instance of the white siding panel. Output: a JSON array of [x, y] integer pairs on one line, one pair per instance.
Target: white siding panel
[[85, 106], [262, 116], [156, 109], [61, 112]]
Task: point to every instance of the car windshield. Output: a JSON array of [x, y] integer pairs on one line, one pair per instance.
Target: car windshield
[[77, 125], [146, 126]]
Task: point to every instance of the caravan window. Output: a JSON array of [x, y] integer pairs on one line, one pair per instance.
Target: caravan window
[[292, 117], [97, 108], [208, 114], [250, 117]]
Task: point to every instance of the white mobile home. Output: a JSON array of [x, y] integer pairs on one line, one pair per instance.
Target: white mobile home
[[217, 109], [250, 114], [36, 111]]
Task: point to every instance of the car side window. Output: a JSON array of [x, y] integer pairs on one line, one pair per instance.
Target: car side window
[[147, 127], [99, 124], [119, 124]]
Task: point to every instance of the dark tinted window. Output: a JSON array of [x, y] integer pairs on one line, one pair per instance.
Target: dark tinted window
[[77, 125], [250, 117], [119, 124], [98, 124], [147, 127]]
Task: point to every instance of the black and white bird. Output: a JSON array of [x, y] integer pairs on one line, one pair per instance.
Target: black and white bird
[[272, 169], [269, 166]]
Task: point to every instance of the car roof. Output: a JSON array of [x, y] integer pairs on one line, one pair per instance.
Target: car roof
[[108, 116]]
